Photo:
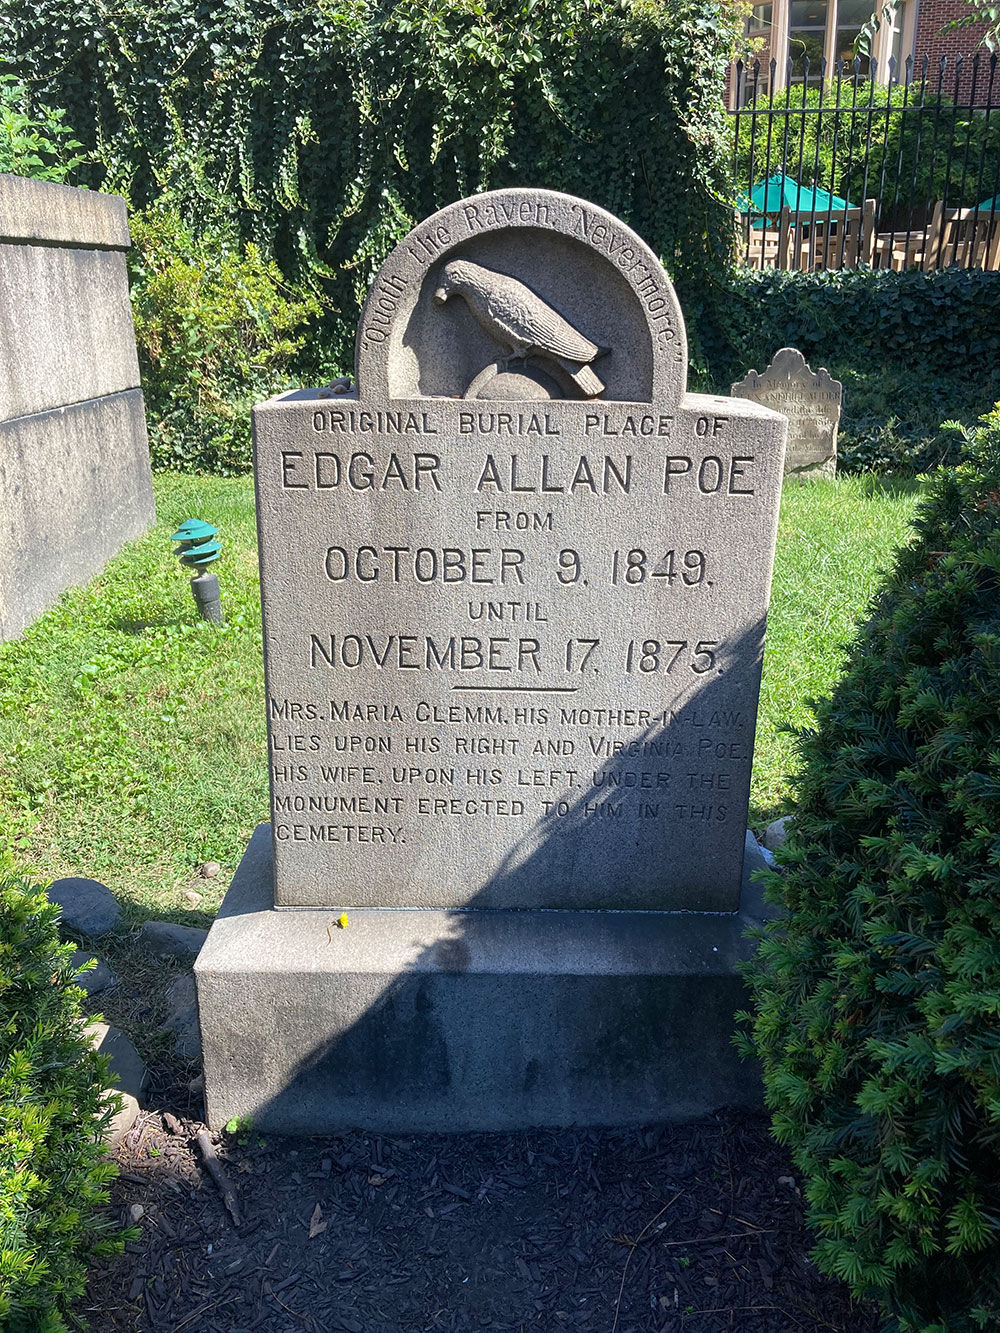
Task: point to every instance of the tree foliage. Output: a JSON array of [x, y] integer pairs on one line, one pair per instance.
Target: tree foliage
[[909, 145], [878, 995]]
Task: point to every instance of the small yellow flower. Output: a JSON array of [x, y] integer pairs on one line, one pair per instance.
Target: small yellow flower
[[342, 921]]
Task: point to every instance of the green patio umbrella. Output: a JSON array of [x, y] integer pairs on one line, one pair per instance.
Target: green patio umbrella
[[990, 205], [768, 198]]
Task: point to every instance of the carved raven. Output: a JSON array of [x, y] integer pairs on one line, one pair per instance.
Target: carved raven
[[521, 322]]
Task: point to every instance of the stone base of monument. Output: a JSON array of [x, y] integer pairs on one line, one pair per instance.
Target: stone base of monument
[[423, 1020]]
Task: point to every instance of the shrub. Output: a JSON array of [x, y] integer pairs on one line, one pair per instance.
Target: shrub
[[878, 995], [945, 322], [40, 145], [895, 420], [217, 329], [53, 1166], [911, 348]]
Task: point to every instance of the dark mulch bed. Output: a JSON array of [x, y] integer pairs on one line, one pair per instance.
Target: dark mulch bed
[[695, 1228]]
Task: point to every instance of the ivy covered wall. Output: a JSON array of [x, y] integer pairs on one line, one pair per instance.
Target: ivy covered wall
[[326, 129]]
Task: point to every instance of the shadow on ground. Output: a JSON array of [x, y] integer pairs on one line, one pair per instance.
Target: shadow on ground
[[696, 1228]]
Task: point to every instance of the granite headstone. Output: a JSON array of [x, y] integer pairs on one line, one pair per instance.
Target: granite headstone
[[515, 584], [810, 400]]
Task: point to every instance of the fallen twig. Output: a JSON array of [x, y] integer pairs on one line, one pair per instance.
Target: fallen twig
[[708, 1240], [628, 1260], [214, 1168], [202, 1309]]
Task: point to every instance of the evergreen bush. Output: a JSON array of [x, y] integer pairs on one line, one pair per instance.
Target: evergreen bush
[[54, 1170], [912, 349], [877, 996], [944, 322]]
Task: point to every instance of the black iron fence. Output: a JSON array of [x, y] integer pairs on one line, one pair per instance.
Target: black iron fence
[[841, 168]]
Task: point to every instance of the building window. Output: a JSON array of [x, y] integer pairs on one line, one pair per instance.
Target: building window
[[760, 30], [808, 21], [794, 30], [852, 15]]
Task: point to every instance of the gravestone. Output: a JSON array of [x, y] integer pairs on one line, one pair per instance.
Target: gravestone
[[810, 400], [75, 476], [515, 584]]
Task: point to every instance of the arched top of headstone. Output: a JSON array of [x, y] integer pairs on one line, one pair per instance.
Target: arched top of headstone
[[522, 294]]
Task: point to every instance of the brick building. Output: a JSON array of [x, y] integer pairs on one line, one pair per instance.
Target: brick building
[[826, 29]]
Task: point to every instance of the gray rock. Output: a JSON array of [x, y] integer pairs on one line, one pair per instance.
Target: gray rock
[[88, 907], [210, 869], [756, 857], [182, 1018], [98, 978], [127, 1071], [776, 833], [166, 940]]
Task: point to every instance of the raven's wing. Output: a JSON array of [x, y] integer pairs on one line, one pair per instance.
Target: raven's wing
[[518, 312]]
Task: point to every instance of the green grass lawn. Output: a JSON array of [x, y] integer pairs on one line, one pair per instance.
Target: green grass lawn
[[132, 739]]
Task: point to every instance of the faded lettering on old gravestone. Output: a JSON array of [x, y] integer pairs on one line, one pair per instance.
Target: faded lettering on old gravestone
[[515, 584], [810, 400]]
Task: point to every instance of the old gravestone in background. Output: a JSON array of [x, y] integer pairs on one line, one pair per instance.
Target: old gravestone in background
[[75, 478], [810, 400], [515, 586]]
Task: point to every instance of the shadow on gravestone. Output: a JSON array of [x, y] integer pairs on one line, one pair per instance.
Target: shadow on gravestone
[[570, 1045], [514, 586]]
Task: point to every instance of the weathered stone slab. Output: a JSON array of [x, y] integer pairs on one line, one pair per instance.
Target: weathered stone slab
[[128, 1075], [76, 485], [66, 333], [410, 1021], [47, 213], [810, 400], [515, 585]]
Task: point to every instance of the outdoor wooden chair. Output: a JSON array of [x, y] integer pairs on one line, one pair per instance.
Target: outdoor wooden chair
[[820, 240], [955, 236], [763, 250]]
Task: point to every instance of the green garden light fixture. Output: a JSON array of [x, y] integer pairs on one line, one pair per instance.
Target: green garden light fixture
[[198, 550]]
